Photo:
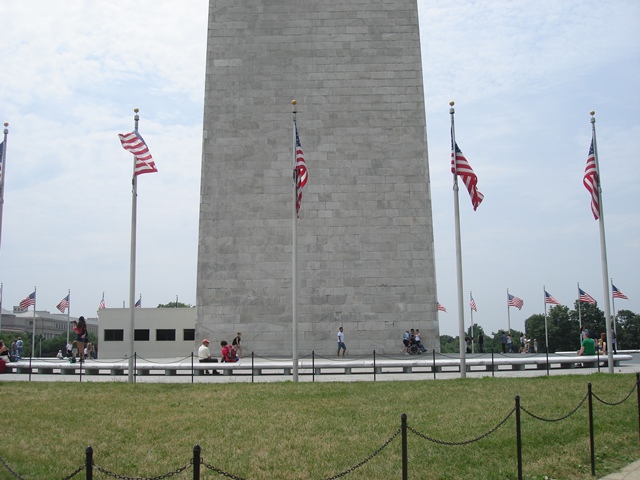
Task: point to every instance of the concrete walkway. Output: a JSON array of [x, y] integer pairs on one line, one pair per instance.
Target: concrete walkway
[[630, 472]]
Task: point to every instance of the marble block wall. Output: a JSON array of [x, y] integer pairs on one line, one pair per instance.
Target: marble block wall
[[365, 235]]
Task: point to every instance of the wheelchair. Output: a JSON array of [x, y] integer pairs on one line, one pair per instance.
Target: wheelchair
[[414, 349]]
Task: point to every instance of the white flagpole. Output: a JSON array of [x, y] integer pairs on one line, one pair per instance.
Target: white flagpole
[[33, 332], [68, 314], [603, 249], [546, 330], [613, 309], [508, 315], [456, 205], [3, 172], [132, 266], [471, 312], [294, 260], [579, 315]]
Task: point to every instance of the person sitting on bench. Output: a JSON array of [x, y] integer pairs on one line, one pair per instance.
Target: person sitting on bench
[[204, 356]]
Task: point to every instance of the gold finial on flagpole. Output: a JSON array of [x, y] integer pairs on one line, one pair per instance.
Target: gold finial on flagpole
[[592, 113], [451, 104], [136, 110], [294, 103], [6, 130]]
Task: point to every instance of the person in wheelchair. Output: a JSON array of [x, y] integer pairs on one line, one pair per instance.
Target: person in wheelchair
[[416, 342]]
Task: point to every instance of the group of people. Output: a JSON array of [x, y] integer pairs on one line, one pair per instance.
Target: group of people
[[229, 353], [12, 353], [590, 343], [526, 345], [412, 337]]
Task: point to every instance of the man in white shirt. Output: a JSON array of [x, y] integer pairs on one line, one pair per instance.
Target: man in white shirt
[[204, 356], [341, 344]]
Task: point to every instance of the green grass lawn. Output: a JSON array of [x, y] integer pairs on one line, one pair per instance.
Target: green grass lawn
[[317, 430]]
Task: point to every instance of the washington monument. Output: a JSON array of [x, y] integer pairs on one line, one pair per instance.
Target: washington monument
[[364, 233]]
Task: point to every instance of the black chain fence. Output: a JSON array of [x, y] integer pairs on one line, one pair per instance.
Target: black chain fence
[[196, 460]]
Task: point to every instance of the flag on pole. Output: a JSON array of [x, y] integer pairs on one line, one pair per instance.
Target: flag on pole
[[617, 293], [472, 303], [101, 305], [441, 308], [138, 303], [134, 143], [299, 173], [462, 168], [585, 297], [514, 301], [28, 301], [590, 182], [550, 299], [64, 303]]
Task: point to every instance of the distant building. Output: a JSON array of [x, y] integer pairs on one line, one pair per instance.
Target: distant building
[[158, 332], [49, 325]]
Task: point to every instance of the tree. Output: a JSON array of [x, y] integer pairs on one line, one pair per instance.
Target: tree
[[628, 330], [449, 344], [563, 331], [175, 305]]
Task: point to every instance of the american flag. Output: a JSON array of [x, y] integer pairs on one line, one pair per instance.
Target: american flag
[[28, 301], [473, 304], [590, 181], [441, 308], [138, 303], [515, 301], [134, 143], [585, 297], [300, 174], [101, 303], [64, 303], [617, 293], [549, 299], [464, 170]]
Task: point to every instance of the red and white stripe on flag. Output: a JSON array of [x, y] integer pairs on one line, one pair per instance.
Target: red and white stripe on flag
[[134, 143]]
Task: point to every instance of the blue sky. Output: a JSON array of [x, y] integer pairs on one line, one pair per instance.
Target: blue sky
[[524, 76]]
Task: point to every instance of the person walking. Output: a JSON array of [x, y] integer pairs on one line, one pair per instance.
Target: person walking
[[236, 344], [82, 336], [341, 345], [503, 340], [20, 345]]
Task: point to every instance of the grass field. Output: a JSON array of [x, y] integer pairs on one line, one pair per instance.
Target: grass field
[[317, 430]]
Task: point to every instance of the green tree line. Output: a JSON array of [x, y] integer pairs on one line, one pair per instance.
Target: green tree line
[[563, 327]]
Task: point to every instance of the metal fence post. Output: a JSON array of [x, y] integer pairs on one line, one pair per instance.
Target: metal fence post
[[546, 348], [374, 365], [313, 365], [192, 372], [30, 358], [434, 363], [405, 474], [591, 442], [88, 465], [638, 392], [598, 357], [196, 462], [518, 438], [252, 369], [135, 366]]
